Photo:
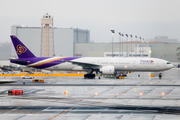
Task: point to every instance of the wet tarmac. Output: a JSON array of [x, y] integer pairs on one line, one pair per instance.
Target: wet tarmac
[[66, 98]]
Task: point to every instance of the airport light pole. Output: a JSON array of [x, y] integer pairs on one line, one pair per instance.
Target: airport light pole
[[131, 45], [136, 46], [150, 53], [122, 45], [143, 47], [113, 31], [126, 45], [119, 43], [140, 46]]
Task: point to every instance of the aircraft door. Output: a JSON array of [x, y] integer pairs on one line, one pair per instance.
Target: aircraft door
[[157, 64], [135, 65]]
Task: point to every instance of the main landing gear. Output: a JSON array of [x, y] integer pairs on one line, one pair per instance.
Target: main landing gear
[[89, 76]]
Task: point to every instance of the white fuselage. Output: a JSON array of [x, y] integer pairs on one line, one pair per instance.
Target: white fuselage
[[120, 64]]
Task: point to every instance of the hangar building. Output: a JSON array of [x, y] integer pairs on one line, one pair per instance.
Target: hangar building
[[64, 39]]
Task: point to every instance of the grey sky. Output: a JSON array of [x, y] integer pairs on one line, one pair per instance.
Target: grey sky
[[145, 18]]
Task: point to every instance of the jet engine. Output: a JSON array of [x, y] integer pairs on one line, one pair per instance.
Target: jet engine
[[107, 70]]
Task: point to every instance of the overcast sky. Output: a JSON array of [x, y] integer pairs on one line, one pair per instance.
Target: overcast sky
[[144, 18]]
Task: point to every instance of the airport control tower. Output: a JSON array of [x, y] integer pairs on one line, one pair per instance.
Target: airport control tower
[[47, 36]]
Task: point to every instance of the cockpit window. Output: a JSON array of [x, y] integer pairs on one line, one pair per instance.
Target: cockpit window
[[168, 63]]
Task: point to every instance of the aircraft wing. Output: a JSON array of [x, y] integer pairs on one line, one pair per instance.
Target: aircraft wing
[[29, 72], [86, 65]]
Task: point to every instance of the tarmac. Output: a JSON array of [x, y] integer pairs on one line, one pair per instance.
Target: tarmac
[[66, 98]]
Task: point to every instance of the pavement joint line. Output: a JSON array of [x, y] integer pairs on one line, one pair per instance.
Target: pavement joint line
[[103, 110], [120, 117], [93, 103], [176, 102], [61, 113], [87, 117], [46, 109], [25, 112], [131, 85], [154, 117], [15, 109]]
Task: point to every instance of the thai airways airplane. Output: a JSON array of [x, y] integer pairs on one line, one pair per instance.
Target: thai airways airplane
[[108, 66]]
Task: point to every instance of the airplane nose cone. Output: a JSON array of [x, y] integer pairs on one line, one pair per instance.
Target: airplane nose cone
[[172, 65]]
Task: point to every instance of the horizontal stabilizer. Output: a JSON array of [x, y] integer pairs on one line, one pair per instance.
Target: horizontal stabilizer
[[5, 69], [22, 62]]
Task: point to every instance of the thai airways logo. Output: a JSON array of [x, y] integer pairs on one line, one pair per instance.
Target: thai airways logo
[[146, 61], [20, 49]]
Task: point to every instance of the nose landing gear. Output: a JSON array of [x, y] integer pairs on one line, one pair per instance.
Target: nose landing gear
[[160, 75]]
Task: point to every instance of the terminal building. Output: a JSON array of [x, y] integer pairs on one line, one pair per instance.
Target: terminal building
[[167, 51]]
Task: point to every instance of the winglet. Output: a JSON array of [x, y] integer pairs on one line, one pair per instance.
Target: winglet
[[21, 50]]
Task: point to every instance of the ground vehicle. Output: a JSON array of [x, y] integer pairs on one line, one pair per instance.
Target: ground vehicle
[[27, 77]]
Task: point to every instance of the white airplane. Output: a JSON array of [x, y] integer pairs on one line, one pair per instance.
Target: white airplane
[[107, 66]]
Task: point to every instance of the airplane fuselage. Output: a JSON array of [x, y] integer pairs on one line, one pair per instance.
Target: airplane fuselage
[[104, 65], [120, 64]]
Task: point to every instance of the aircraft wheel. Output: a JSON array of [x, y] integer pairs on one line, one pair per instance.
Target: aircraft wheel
[[160, 75]]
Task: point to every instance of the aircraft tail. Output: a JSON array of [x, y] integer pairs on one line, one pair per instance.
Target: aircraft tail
[[21, 50]]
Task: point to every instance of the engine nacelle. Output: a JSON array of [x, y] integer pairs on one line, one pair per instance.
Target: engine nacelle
[[107, 70]]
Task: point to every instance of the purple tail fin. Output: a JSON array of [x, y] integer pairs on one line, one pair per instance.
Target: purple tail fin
[[21, 50]]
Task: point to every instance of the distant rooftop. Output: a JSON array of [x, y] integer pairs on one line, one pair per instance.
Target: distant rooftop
[[161, 37]]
